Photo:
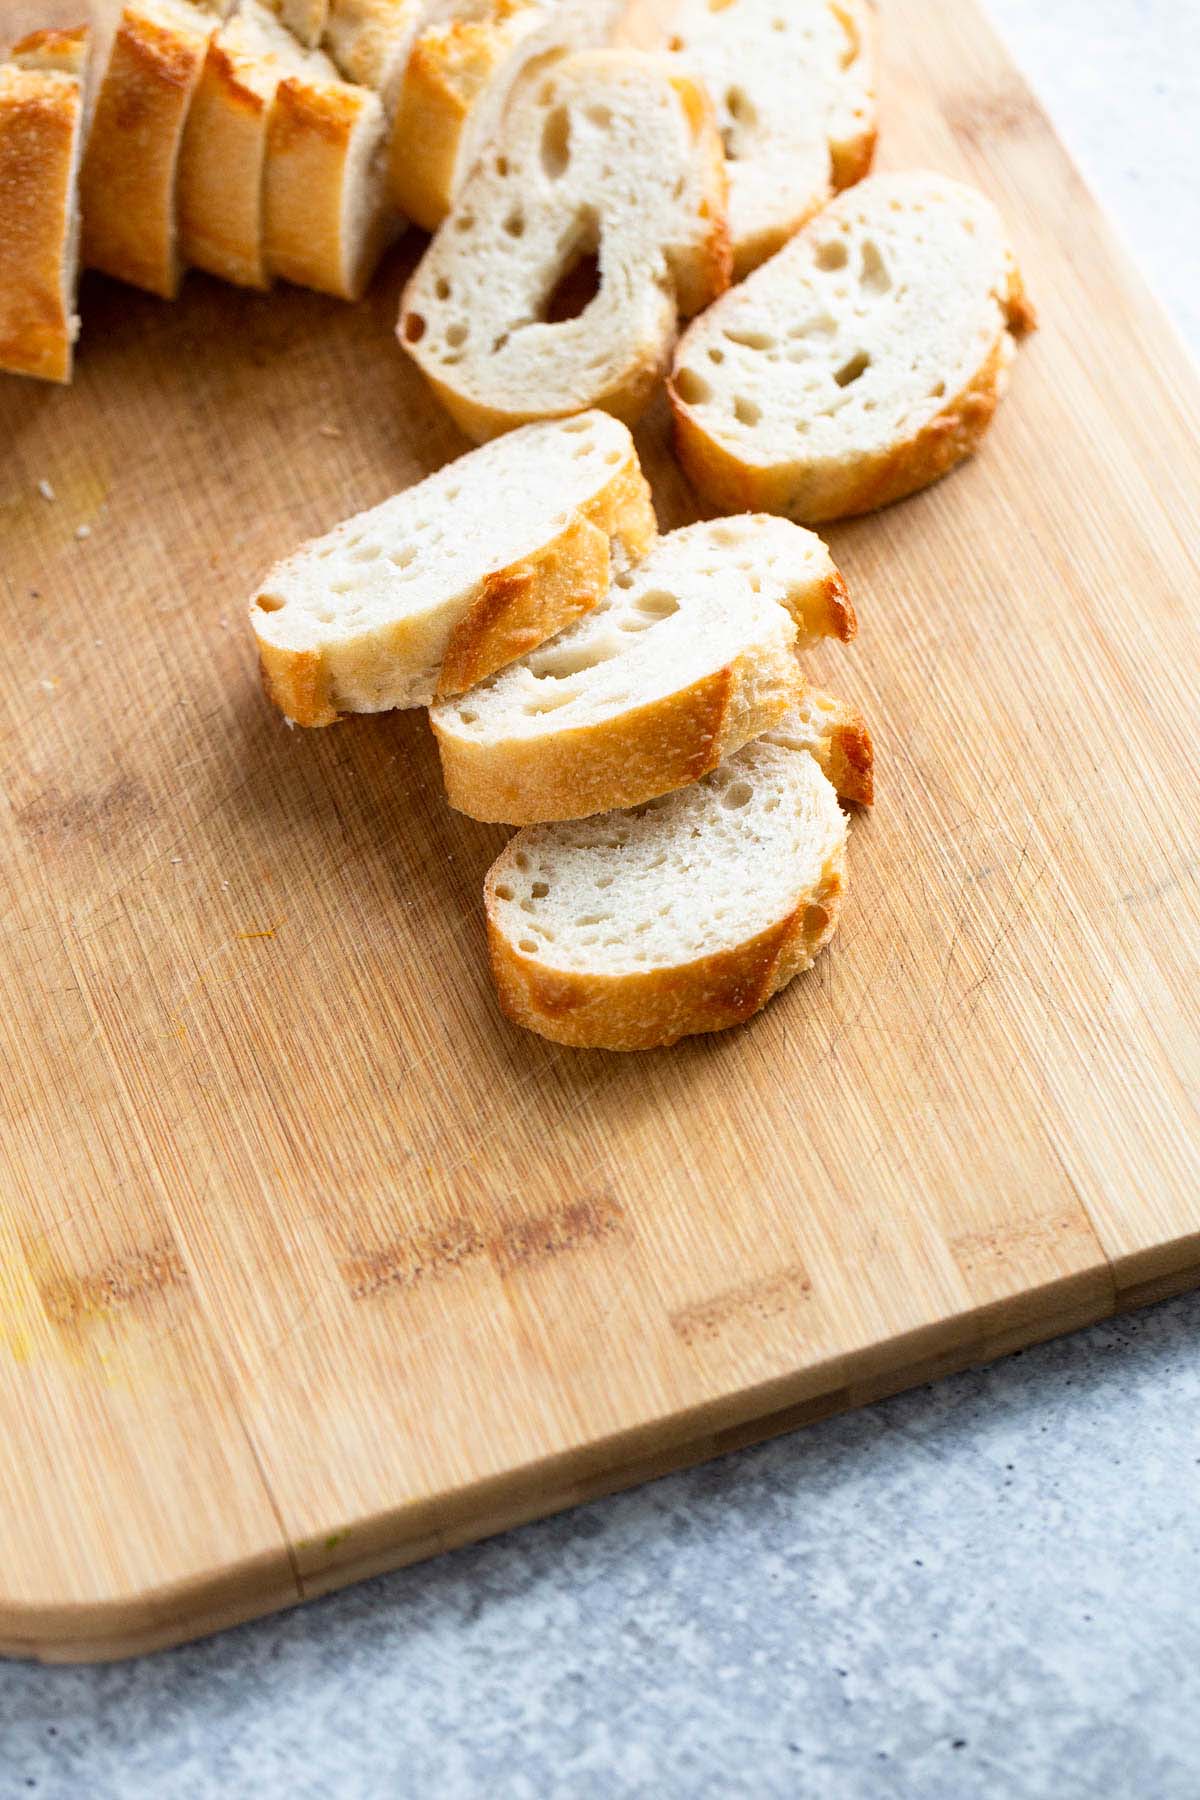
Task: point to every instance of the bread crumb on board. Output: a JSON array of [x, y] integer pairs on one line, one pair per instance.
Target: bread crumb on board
[[45, 490]]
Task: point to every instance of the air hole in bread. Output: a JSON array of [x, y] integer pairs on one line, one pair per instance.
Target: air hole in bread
[[514, 224], [751, 340], [556, 143], [600, 116], [593, 919], [548, 703], [737, 794], [578, 282], [456, 335], [528, 946], [465, 222], [823, 325], [743, 119], [938, 392], [540, 889], [692, 389], [833, 255], [613, 458], [402, 557], [715, 355], [366, 553], [268, 603], [873, 275], [468, 716], [414, 328], [852, 370], [503, 891], [852, 46], [746, 412], [675, 44], [521, 860], [441, 288], [559, 664], [502, 166]]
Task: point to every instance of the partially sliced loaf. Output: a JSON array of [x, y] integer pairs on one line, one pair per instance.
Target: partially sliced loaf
[[128, 182], [634, 929], [41, 133], [607, 157], [222, 162], [328, 213], [862, 362], [794, 88], [446, 582], [689, 656], [837, 736], [459, 79]]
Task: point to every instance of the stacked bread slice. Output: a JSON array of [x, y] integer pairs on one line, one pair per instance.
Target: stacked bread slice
[[637, 701]]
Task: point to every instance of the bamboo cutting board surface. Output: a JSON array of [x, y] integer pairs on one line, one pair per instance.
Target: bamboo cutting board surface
[[310, 1265]]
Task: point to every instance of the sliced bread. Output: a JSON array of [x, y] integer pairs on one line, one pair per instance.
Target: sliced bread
[[689, 656], [222, 163], [794, 88], [634, 929], [446, 582], [458, 81], [42, 104], [305, 19], [837, 735], [607, 162], [371, 41], [862, 362], [327, 207], [128, 181]]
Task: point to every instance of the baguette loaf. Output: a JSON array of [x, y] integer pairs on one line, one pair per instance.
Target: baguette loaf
[[606, 155], [451, 579], [328, 214], [861, 363], [634, 929], [128, 183], [458, 82], [690, 655], [794, 88], [222, 163], [41, 133]]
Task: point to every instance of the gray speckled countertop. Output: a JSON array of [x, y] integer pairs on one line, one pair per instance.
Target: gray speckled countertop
[[989, 1588]]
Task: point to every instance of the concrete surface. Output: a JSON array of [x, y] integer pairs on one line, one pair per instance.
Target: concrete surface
[[989, 1588]]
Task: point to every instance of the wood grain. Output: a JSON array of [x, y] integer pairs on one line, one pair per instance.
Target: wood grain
[[312, 1265]]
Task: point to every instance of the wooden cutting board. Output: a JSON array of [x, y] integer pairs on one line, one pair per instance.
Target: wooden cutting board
[[311, 1265]]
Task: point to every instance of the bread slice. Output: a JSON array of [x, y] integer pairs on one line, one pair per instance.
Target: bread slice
[[458, 82], [451, 579], [128, 183], [327, 207], [689, 656], [837, 736], [634, 929], [305, 19], [607, 155], [861, 363], [371, 41], [42, 103], [794, 88], [222, 162]]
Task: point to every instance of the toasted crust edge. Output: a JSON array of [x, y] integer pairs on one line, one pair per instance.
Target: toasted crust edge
[[128, 199], [653, 1010], [37, 287], [816, 495]]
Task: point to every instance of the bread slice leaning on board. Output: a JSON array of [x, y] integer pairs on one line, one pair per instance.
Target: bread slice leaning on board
[[458, 81], [690, 655], [793, 82], [607, 154], [859, 364], [42, 112], [630, 930], [128, 183], [444, 583]]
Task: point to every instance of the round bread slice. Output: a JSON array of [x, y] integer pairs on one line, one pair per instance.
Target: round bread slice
[[691, 654], [458, 82], [41, 135], [608, 171], [794, 88], [860, 363], [449, 580], [634, 929]]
